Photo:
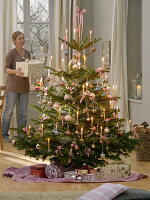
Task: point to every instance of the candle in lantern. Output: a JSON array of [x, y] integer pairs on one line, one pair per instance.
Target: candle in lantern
[[90, 35], [139, 91]]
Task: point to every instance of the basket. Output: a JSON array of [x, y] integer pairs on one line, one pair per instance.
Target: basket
[[143, 151]]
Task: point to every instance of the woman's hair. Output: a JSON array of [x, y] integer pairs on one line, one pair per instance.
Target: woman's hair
[[15, 35]]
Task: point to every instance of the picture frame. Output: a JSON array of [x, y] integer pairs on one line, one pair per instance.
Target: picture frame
[[106, 52]]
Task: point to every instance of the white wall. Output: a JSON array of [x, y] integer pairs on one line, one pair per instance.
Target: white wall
[[98, 19]]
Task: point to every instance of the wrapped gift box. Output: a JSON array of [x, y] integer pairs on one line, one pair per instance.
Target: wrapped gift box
[[81, 177], [114, 171], [31, 68], [38, 170]]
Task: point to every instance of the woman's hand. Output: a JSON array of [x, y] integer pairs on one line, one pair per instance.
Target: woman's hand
[[19, 73]]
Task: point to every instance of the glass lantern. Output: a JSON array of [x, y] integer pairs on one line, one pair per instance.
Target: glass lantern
[[136, 92]]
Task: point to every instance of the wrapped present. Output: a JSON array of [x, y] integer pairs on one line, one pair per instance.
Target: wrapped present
[[114, 171], [81, 177], [31, 68], [86, 171], [38, 170]]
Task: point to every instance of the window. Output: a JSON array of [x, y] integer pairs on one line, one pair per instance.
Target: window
[[33, 20]]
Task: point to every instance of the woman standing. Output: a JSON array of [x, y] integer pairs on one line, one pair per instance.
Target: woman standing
[[17, 86]]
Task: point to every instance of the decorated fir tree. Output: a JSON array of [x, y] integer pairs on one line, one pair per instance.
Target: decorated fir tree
[[78, 123]]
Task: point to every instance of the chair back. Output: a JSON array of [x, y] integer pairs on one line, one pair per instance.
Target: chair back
[[2, 97]]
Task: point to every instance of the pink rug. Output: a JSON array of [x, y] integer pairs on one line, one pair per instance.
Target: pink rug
[[24, 175]]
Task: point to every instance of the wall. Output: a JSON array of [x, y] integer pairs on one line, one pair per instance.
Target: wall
[[98, 19]]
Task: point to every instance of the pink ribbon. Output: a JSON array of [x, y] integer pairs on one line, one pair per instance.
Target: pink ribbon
[[80, 20]]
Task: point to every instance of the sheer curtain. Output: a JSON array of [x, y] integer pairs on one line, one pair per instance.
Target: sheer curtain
[[63, 19], [7, 27], [118, 73]]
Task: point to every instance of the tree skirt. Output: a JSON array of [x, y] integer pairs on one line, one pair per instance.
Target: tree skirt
[[24, 175]]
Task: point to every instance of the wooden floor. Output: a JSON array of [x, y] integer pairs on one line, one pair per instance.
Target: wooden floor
[[7, 184]]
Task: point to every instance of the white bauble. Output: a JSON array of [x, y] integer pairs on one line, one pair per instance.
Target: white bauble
[[68, 118], [67, 97]]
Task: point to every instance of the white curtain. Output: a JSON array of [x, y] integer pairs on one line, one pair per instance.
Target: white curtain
[[63, 19], [7, 27], [118, 73]]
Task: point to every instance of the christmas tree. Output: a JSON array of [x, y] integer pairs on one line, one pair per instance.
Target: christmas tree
[[78, 123]]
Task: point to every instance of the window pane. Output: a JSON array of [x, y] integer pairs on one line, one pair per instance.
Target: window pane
[[39, 10], [40, 39], [20, 27], [19, 11]]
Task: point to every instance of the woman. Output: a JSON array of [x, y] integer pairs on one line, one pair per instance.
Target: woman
[[17, 86]]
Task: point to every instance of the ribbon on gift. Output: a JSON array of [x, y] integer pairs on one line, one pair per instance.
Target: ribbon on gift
[[80, 13]]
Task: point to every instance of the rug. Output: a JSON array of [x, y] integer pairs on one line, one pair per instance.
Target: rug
[[53, 195], [24, 175]]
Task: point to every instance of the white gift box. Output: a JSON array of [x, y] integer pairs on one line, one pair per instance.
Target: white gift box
[[81, 177], [114, 171], [31, 68]]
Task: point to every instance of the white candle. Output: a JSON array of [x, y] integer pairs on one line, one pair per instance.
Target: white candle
[[74, 34], [90, 35], [139, 91], [62, 63], [48, 143], [103, 61], [41, 83], [66, 34], [29, 130]]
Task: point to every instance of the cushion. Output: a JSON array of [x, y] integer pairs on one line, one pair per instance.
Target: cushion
[[106, 191], [132, 194]]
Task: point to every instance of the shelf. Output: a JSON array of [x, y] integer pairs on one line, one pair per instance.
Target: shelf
[[135, 100]]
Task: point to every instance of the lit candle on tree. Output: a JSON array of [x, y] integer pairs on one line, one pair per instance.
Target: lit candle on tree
[[81, 134], [92, 121], [101, 131], [77, 116], [104, 113], [48, 143], [83, 86], [74, 34], [41, 83], [29, 128], [130, 125], [103, 61], [62, 63], [90, 35], [42, 129]]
